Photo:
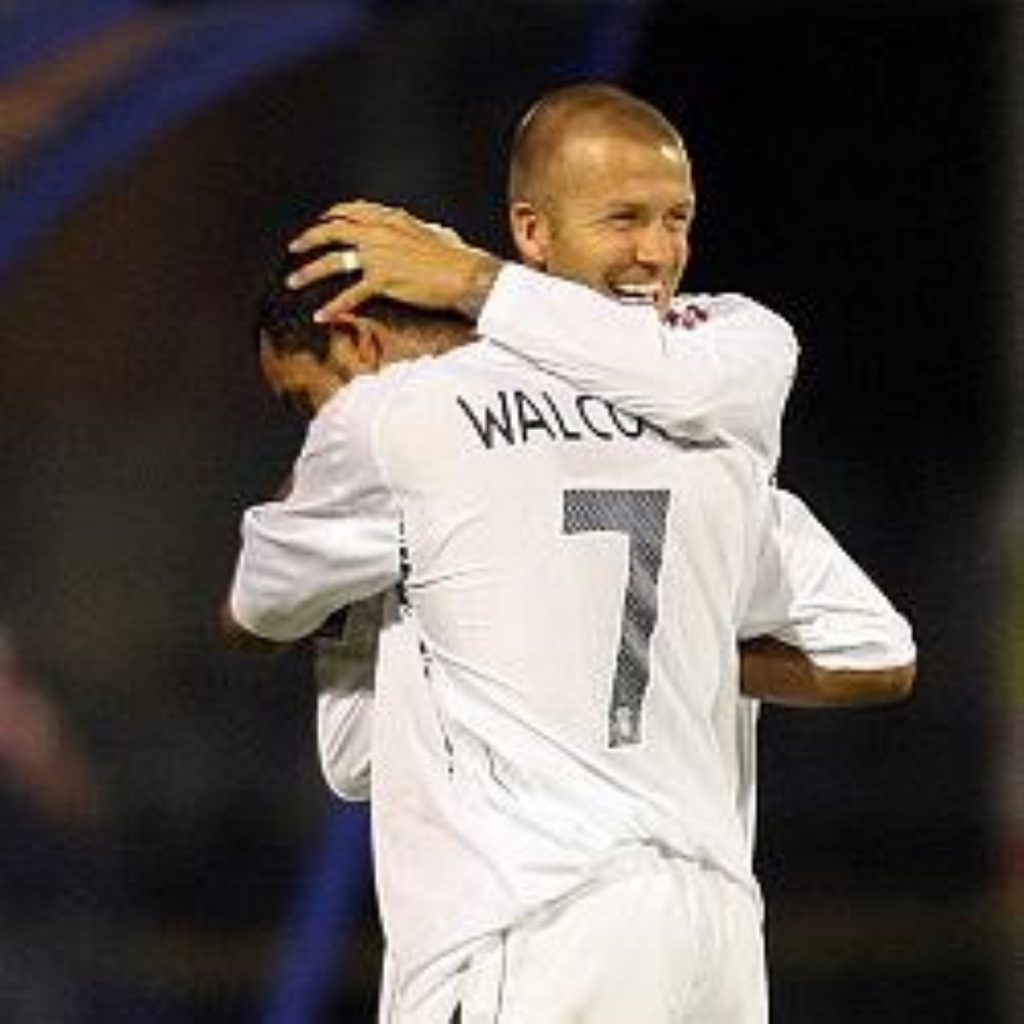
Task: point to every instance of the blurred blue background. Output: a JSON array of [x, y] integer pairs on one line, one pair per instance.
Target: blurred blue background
[[168, 852]]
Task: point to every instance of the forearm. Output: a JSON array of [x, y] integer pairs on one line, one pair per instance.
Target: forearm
[[480, 272], [727, 377], [777, 673]]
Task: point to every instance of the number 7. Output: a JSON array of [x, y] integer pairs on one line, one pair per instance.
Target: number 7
[[641, 515]]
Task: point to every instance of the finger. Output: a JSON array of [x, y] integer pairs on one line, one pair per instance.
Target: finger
[[341, 211], [328, 232], [359, 211], [344, 207], [328, 265], [348, 300], [347, 230], [443, 231]]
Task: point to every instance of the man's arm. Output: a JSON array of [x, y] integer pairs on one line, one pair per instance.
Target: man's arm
[[725, 371], [818, 632], [332, 541], [344, 665], [236, 637], [779, 674]]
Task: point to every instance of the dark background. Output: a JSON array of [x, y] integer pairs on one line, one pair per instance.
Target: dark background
[[853, 165]]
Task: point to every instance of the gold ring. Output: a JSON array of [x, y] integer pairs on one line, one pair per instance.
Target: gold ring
[[349, 261]]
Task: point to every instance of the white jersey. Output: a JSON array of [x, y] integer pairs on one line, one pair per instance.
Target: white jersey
[[344, 667], [576, 584], [729, 380], [720, 366], [558, 682], [814, 597]]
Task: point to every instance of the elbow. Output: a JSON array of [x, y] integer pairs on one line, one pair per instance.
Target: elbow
[[347, 776], [351, 791], [226, 629], [234, 637], [872, 687], [900, 684]]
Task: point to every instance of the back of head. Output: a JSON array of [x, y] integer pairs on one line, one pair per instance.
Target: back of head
[[588, 108], [285, 316]]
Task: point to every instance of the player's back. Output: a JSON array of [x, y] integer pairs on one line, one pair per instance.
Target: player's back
[[576, 581]]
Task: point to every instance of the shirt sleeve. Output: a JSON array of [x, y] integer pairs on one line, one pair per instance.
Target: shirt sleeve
[[344, 667], [811, 595], [720, 370], [332, 541]]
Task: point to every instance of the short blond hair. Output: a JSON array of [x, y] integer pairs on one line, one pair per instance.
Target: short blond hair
[[589, 107]]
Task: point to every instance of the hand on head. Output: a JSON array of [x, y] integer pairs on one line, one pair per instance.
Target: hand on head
[[401, 258]]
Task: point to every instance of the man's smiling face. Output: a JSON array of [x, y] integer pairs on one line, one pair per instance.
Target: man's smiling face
[[616, 216]]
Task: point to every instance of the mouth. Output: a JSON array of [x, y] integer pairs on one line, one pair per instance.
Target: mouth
[[638, 294]]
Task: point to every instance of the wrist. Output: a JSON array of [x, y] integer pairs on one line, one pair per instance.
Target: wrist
[[481, 272]]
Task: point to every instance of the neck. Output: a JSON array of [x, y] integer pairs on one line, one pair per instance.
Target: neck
[[430, 341]]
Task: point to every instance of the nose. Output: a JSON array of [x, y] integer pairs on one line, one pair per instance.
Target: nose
[[659, 246]]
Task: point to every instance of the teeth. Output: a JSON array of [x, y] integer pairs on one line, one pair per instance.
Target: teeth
[[639, 293]]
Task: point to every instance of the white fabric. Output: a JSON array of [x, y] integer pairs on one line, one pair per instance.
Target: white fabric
[[723, 370], [729, 377], [652, 938], [519, 610], [721, 367], [531, 516], [330, 543], [344, 669], [666, 941], [812, 595], [521, 618]]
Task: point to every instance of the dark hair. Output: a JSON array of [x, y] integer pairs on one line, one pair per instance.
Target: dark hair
[[285, 316]]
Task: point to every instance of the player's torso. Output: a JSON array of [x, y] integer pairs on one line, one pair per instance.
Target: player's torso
[[578, 579], [574, 583]]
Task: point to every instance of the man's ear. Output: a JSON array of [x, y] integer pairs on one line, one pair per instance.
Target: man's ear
[[529, 232], [355, 348]]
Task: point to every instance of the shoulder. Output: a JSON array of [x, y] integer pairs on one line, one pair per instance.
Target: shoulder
[[341, 442], [355, 411], [481, 361], [365, 397], [727, 310]]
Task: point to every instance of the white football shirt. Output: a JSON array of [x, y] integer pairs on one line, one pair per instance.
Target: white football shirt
[[729, 379], [719, 366], [576, 583]]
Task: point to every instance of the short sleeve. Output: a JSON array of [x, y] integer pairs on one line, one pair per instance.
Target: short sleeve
[[810, 593]]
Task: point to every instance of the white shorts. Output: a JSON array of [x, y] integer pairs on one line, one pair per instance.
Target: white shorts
[[658, 940]]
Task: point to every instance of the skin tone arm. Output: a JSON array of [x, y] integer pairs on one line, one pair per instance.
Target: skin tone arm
[[779, 674]]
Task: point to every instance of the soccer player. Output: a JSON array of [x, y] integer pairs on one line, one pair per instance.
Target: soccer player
[[558, 770]]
